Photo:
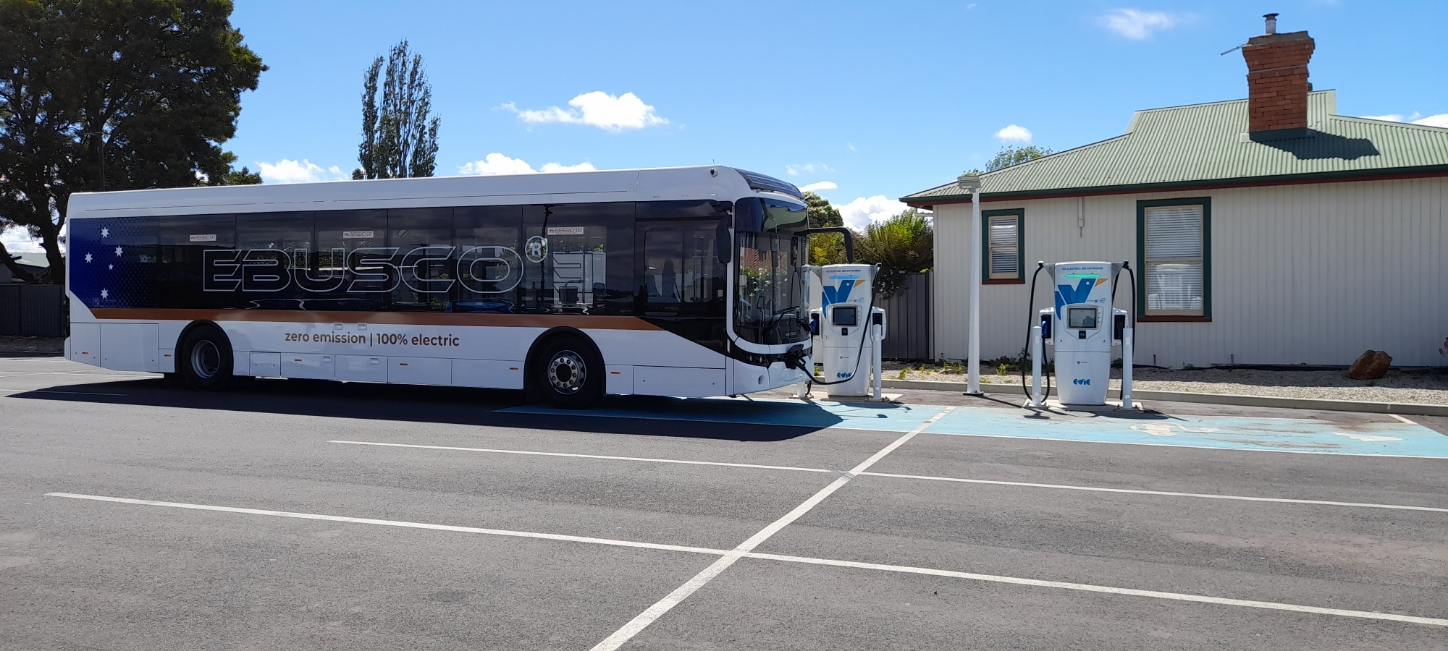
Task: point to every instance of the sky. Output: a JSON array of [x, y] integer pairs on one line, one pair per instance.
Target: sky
[[862, 102]]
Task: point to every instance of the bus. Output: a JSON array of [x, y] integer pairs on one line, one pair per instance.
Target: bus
[[668, 282]]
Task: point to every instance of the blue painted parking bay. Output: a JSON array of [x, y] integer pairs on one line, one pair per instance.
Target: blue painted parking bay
[[1388, 438]]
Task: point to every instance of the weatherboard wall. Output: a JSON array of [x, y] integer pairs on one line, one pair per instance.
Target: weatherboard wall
[[1301, 274]]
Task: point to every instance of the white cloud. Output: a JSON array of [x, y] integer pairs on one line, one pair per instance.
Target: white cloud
[[1014, 133], [18, 240], [865, 210], [816, 187], [554, 168], [495, 164], [807, 168], [303, 171], [599, 109], [851, 145], [1137, 25], [1439, 120]]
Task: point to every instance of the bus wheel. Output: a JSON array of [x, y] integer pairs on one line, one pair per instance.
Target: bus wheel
[[571, 373], [205, 359]]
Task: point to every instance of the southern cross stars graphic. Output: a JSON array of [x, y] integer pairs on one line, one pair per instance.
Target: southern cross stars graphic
[[121, 257]]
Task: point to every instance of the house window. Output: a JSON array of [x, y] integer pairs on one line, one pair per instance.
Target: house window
[[1174, 251], [1004, 255]]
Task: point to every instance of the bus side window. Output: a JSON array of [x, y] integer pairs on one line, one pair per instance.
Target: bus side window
[[681, 271], [578, 258], [427, 258], [268, 242], [183, 241], [489, 278], [349, 244]]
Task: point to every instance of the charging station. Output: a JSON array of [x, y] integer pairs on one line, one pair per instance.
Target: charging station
[[850, 327], [1083, 327]]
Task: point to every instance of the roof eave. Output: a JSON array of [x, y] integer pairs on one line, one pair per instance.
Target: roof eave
[[1282, 179]]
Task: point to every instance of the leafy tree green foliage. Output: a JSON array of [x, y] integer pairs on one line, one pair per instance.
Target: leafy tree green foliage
[[901, 245], [399, 140], [114, 94], [824, 248], [821, 213], [1009, 156]]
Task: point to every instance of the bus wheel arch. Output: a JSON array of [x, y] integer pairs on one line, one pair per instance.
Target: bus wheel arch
[[565, 369], [204, 356]]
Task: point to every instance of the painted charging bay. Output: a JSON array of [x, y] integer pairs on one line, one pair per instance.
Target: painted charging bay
[[1387, 438]]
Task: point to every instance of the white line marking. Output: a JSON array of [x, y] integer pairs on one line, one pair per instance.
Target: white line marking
[[584, 456], [1194, 447], [759, 538], [639, 623], [1130, 491], [1403, 419], [1086, 587], [1137, 491], [394, 523]]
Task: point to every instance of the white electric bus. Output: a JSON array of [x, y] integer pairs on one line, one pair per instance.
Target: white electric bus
[[672, 282]]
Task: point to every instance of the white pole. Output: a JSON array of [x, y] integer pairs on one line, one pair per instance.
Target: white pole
[[973, 383], [1036, 354], [1126, 346], [876, 345]]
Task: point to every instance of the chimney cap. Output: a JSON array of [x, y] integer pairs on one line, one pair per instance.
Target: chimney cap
[[1271, 23]]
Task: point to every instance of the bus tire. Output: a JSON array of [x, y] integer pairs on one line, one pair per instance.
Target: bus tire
[[570, 373], [206, 360]]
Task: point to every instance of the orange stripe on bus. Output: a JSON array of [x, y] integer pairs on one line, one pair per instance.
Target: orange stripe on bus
[[580, 321]]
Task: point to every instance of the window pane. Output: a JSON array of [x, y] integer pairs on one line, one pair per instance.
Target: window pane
[[424, 243], [268, 242], [1174, 232], [1004, 262], [183, 242], [490, 270], [1174, 287], [1003, 230], [353, 256]]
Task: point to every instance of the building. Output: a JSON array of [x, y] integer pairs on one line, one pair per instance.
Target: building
[[34, 263], [1268, 230]]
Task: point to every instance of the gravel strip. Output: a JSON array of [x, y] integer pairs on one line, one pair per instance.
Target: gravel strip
[[1417, 388]]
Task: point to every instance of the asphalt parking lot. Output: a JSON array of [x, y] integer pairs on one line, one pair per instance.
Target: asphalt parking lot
[[293, 514]]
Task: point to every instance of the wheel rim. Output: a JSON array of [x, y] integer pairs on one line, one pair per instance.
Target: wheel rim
[[205, 359], [567, 372]]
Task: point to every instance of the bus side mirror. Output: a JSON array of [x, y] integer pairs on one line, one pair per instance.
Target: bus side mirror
[[723, 244]]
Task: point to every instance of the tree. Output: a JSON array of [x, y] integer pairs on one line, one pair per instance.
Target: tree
[[111, 95], [824, 248], [901, 245], [399, 140], [1009, 156]]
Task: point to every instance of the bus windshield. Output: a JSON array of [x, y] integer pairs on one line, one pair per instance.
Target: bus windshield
[[769, 297]]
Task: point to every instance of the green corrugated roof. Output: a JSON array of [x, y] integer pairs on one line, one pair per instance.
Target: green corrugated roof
[[1205, 144]]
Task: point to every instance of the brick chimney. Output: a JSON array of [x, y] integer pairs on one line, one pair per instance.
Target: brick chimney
[[1277, 84]]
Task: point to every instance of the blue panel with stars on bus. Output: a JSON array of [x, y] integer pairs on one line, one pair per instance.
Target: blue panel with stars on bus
[[113, 262]]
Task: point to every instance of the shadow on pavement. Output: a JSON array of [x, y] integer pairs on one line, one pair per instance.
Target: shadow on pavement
[[443, 405]]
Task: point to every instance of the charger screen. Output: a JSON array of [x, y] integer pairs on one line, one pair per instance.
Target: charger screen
[[1081, 317], [843, 315]]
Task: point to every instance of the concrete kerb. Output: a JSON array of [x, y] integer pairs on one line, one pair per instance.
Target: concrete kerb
[[1406, 409]]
